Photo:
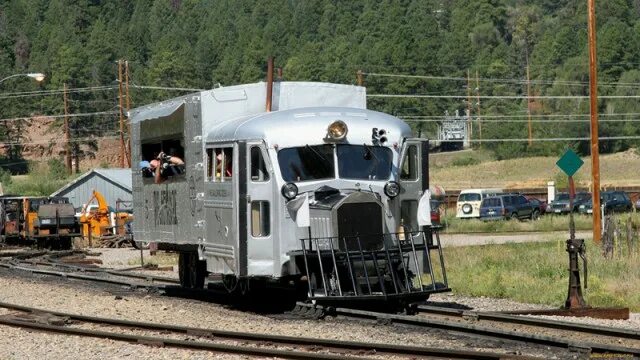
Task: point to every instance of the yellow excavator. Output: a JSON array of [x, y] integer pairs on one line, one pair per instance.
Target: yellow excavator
[[101, 223]]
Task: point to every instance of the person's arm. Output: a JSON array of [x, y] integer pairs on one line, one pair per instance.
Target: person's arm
[[158, 177], [174, 160]]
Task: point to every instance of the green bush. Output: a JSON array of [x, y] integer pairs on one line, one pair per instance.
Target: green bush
[[5, 177], [465, 161], [57, 170]]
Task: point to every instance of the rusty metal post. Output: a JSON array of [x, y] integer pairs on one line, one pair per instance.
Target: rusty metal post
[[469, 122], [128, 107], [269, 83], [478, 110], [593, 95], [67, 144], [360, 78], [575, 248], [529, 105], [121, 114]]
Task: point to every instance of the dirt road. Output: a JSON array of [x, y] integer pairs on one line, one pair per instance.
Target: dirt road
[[501, 238]]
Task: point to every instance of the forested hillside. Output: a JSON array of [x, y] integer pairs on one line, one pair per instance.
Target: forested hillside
[[202, 43]]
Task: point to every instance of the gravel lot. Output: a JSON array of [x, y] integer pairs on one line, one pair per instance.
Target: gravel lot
[[112, 301]]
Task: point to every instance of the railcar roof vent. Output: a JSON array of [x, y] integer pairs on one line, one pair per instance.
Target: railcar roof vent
[[324, 192]]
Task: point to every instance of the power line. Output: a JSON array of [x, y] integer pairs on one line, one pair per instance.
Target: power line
[[556, 121], [509, 97], [164, 88], [503, 80], [53, 92], [77, 139], [30, 117], [605, 138]]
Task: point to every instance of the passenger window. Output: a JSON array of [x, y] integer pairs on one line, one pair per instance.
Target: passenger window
[[220, 164], [258, 166], [409, 169], [171, 164], [260, 219]]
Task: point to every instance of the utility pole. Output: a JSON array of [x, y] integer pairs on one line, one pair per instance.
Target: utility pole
[[529, 104], [593, 95], [121, 112], [470, 124], [478, 110], [360, 78], [67, 145], [126, 89]]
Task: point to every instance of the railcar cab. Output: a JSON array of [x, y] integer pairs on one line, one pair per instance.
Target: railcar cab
[[326, 198]]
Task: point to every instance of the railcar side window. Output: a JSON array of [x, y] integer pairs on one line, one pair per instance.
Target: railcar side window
[[260, 219], [258, 166], [220, 164], [409, 169], [171, 147]]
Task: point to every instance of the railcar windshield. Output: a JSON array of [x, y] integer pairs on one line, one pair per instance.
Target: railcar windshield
[[364, 162], [310, 162]]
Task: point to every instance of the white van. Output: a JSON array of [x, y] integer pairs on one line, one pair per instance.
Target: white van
[[469, 200]]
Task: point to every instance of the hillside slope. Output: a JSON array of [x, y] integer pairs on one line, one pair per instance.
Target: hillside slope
[[620, 169]]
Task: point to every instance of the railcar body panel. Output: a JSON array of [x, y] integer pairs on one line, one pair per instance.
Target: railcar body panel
[[229, 203]]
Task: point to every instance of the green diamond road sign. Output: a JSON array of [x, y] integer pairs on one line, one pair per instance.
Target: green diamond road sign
[[570, 162]]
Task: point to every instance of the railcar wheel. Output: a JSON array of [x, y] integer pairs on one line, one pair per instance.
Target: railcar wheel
[[191, 270]]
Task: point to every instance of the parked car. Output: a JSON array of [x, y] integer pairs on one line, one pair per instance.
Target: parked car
[[508, 206], [469, 200], [561, 203], [613, 201], [540, 204], [637, 204]]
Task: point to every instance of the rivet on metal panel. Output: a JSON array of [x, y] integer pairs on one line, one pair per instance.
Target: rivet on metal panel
[[199, 224], [197, 139], [200, 196], [198, 166]]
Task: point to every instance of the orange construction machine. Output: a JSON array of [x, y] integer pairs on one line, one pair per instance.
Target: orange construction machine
[[99, 221]]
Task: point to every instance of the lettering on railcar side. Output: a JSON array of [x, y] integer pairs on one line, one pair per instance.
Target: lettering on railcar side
[[218, 193], [164, 206]]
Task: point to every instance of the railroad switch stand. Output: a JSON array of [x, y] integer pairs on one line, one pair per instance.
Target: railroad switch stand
[[575, 248]]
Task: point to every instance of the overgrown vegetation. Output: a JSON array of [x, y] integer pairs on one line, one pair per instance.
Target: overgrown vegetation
[[196, 44], [545, 223], [537, 273], [41, 181]]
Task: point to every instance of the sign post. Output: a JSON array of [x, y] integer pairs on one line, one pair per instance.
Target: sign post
[[569, 163]]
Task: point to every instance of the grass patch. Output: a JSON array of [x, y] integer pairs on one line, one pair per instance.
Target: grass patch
[[160, 259], [537, 273], [545, 223], [465, 161]]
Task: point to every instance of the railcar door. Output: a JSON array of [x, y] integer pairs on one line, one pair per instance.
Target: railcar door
[[221, 244], [413, 177], [262, 250]]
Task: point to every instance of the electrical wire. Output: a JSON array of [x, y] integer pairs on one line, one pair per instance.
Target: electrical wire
[[604, 138], [505, 80], [31, 117], [77, 139], [554, 121], [508, 97]]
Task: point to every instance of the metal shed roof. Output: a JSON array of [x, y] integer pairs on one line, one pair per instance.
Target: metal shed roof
[[120, 177]]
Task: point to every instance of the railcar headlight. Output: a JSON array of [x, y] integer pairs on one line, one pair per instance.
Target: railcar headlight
[[337, 130], [392, 189], [289, 191]]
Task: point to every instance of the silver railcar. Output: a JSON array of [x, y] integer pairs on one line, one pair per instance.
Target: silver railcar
[[319, 195]]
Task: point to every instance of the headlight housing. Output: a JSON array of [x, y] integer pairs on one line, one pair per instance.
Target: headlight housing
[[289, 191], [392, 189], [337, 130]]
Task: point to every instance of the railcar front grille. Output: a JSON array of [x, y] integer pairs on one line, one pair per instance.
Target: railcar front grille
[[363, 220]]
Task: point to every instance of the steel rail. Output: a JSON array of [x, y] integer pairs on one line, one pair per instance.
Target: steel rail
[[69, 275], [55, 264], [244, 336], [522, 320], [484, 332]]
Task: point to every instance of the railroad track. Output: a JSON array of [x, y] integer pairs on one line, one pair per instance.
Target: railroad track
[[529, 321], [490, 331], [262, 344], [168, 286]]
